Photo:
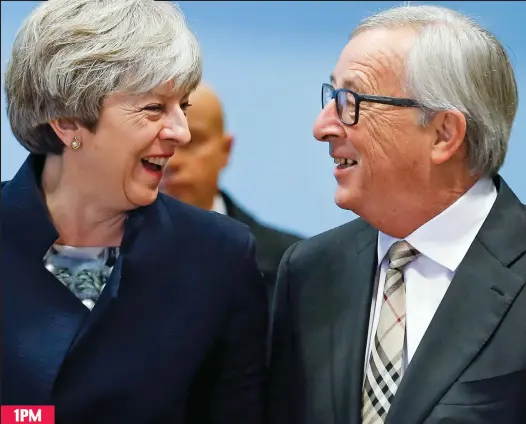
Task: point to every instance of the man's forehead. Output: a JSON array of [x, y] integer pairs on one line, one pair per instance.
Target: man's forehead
[[370, 57], [379, 42], [204, 116]]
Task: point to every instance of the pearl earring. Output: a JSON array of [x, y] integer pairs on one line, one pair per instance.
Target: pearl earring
[[75, 144]]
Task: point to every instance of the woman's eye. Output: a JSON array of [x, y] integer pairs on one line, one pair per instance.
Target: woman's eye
[[185, 106], [153, 108]]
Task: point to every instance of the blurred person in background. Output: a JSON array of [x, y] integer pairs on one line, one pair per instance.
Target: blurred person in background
[[415, 313], [192, 175], [120, 304]]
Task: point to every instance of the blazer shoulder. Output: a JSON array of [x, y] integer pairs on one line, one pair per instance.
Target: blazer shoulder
[[204, 223]]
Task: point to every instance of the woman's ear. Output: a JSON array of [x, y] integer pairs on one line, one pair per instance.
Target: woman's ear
[[66, 129]]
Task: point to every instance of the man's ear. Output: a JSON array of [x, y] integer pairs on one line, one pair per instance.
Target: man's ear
[[66, 129], [228, 142], [450, 130]]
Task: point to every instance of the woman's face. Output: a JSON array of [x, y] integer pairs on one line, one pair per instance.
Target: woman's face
[[136, 134]]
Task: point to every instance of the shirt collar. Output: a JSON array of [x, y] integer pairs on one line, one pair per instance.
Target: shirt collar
[[219, 205], [446, 238]]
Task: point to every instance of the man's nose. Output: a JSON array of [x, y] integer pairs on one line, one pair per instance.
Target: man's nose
[[327, 125]]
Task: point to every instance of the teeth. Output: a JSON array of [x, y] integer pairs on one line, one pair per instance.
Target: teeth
[[156, 160], [344, 161]]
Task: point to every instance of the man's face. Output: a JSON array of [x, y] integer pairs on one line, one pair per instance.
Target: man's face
[[392, 152], [192, 173]]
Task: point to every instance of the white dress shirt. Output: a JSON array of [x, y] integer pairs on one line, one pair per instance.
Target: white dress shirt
[[219, 205], [442, 242]]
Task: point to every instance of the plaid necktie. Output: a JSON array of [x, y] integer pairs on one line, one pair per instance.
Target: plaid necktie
[[384, 370]]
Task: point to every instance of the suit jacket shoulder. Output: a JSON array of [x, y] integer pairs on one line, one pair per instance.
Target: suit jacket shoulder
[[207, 226], [271, 242], [351, 236]]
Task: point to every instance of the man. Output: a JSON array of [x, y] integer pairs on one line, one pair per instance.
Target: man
[[416, 311], [192, 175]]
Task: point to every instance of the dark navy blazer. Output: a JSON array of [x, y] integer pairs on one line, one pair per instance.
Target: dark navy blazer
[[177, 336]]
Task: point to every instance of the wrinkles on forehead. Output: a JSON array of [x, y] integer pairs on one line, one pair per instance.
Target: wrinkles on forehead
[[373, 62]]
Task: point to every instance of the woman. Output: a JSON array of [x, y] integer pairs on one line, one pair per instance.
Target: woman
[[122, 305]]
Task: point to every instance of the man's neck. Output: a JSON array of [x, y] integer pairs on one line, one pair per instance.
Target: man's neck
[[432, 202]]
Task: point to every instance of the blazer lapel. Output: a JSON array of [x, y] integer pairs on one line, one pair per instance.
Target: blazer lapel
[[108, 295], [42, 320], [135, 220], [354, 282], [41, 316], [477, 300]]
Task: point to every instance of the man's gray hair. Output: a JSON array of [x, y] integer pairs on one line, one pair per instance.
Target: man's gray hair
[[70, 54], [454, 63]]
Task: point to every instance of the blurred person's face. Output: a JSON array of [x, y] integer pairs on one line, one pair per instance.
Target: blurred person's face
[[192, 173], [125, 157], [390, 152]]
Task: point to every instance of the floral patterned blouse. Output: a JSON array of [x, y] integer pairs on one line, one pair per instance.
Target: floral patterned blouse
[[83, 270]]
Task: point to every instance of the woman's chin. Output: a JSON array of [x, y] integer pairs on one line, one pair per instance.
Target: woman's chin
[[142, 197]]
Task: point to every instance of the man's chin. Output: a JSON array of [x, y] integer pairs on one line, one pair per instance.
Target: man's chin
[[344, 199]]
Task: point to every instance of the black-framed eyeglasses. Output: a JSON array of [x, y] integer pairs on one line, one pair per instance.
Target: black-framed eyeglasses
[[348, 102]]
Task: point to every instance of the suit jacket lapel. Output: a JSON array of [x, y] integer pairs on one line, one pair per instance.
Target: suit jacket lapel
[[478, 298], [354, 283]]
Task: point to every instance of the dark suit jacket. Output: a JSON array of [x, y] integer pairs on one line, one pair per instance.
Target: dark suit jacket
[[470, 367], [177, 336], [271, 243]]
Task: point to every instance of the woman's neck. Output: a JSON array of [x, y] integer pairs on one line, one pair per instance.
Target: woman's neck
[[77, 210]]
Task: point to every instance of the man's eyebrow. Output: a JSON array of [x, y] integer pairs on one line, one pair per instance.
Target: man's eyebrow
[[348, 84]]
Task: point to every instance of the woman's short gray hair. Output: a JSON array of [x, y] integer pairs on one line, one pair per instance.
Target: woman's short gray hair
[[454, 63], [70, 54]]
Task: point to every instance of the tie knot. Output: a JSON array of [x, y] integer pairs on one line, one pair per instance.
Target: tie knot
[[400, 254]]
